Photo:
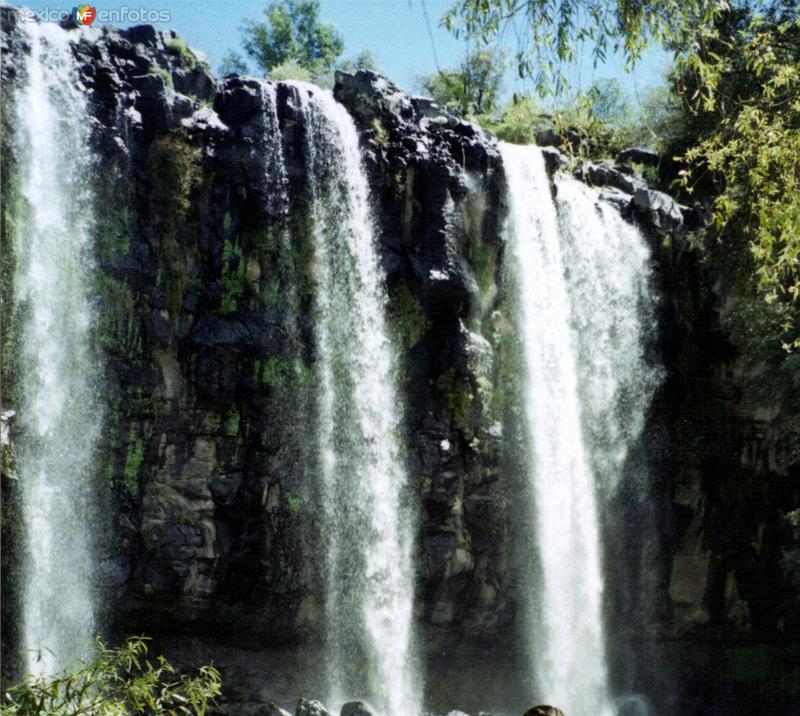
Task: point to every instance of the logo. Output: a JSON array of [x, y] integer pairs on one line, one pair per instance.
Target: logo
[[84, 14]]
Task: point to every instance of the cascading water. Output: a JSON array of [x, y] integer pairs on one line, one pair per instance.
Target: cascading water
[[613, 318], [567, 635], [368, 523], [578, 274], [59, 419], [274, 160]]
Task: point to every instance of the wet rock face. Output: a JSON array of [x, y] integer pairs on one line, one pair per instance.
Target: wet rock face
[[625, 189], [435, 182], [204, 299]]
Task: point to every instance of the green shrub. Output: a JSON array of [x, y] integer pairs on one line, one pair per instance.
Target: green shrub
[[290, 70], [161, 72], [518, 121], [117, 682], [181, 50], [233, 277], [174, 167], [406, 317], [456, 397], [175, 171]]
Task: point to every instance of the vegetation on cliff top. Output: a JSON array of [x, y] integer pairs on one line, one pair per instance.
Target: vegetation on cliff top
[[292, 43], [728, 124]]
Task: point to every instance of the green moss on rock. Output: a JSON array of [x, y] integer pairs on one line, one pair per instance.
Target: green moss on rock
[[175, 171], [405, 315]]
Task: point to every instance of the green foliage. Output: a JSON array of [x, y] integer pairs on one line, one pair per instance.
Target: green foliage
[[117, 682], [133, 461], [13, 220], [472, 88], [182, 51], [661, 121], [405, 316], [381, 135], [293, 502], [161, 72], [117, 328], [456, 397], [599, 121], [292, 33], [273, 372], [518, 121], [550, 32], [114, 225], [233, 63], [762, 330], [233, 277], [291, 70], [271, 295], [233, 423], [174, 168], [364, 60], [175, 171], [751, 149]]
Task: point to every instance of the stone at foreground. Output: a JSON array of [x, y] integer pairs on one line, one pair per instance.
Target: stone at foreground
[[543, 710], [356, 708], [306, 707]]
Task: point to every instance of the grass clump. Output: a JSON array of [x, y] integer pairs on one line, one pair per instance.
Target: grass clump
[[177, 47], [161, 72]]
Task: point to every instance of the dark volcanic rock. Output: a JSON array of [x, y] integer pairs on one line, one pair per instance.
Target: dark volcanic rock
[[639, 155], [605, 173], [659, 209], [355, 708], [310, 708]]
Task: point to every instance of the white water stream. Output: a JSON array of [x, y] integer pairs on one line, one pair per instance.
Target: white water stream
[[59, 417], [368, 525], [580, 280]]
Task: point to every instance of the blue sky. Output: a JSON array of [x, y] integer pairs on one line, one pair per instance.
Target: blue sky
[[396, 32]]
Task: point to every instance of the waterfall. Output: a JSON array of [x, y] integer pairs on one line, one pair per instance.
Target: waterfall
[[578, 277], [59, 419], [368, 525], [274, 159], [613, 318]]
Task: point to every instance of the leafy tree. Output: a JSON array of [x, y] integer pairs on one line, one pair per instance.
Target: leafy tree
[[597, 121], [292, 70], [118, 682], [745, 148], [549, 32], [292, 32], [364, 60], [472, 88], [607, 101], [519, 120], [233, 62]]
